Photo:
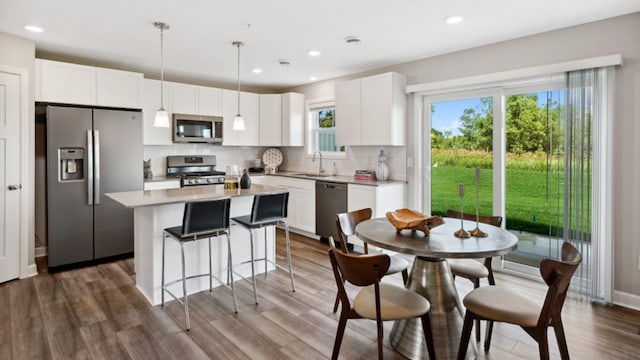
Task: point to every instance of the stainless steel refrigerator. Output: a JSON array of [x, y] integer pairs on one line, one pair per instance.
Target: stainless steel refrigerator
[[90, 152]]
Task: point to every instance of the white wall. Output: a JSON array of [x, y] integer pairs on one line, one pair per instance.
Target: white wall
[[617, 35]]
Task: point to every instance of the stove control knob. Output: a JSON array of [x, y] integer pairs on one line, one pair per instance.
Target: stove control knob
[[210, 180], [192, 181]]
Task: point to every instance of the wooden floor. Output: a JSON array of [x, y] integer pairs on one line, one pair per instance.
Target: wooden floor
[[96, 312]]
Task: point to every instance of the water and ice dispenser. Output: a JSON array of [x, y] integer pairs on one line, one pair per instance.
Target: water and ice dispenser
[[71, 164]]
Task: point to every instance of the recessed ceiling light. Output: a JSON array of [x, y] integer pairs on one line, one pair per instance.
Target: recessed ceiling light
[[313, 78], [454, 19], [353, 40], [314, 52], [256, 70], [33, 28]]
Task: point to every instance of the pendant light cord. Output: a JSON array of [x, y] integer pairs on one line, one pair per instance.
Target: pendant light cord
[[162, 66], [239, 44]]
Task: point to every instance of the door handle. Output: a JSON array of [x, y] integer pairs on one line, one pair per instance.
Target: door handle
[[89, 167], [15, 187], [96, 167]]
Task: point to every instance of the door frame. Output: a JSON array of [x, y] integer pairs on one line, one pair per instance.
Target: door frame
[[27, 266]]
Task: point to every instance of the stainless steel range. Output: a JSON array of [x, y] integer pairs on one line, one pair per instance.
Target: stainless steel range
[[194, 170]]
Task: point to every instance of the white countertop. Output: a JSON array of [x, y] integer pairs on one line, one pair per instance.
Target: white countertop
[[337, 178], [133, 199]]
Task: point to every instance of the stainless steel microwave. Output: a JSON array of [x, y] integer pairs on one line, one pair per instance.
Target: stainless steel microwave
[[197, 128]]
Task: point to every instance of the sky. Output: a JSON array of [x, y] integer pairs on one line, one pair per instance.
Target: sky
[[446, 115]]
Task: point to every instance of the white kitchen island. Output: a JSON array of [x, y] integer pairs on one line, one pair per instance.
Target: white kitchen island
[[155, 210]]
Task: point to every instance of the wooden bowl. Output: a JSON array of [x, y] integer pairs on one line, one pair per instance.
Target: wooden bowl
[[407, 219]]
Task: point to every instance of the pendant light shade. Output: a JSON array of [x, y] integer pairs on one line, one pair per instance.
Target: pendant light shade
[[238, 121], [162, 117]]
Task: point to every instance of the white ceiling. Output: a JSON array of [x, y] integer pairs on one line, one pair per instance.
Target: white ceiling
[[198, 45]]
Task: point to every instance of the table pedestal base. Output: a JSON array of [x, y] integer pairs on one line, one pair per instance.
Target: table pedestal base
[[432, 279]]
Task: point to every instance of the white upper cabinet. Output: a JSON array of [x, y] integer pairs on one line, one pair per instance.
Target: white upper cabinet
[[87, 85], [371, 110], [119, 88], [293, 119], [270, 129], [248, 110], [184, 98], [151, 103], [348, 112], [65, 83], [209, 101]]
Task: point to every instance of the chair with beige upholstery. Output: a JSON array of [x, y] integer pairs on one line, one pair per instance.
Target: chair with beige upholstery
[[495, 303], [346, 224], [470, 268], [375, 300]]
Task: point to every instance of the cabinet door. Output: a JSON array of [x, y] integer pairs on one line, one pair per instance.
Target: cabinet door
[[119, 88], [306, 210], [184, 98], [383, 109], [248, 110], [209, 101], [376, 109], [348, 112], [270, 129], [151, 103], [293, 119], [65, 83]]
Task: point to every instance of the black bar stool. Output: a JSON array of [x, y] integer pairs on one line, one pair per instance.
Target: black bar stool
[[201, 220], [267, 210]]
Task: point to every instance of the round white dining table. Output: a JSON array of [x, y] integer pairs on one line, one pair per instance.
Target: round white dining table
[[431, 277]]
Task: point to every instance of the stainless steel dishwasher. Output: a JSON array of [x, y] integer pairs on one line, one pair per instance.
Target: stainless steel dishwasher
[[331, 198]]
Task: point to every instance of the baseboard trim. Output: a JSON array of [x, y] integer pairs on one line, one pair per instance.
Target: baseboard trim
[[627, 300], [40, 251], [31, 270]]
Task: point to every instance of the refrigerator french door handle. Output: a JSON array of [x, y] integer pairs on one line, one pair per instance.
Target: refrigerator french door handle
[[89, 167], [96, 147]]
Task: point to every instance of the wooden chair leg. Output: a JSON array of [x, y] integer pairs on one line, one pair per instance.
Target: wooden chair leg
[[487, 264], [562, 341], [428, 335], [335, 306], [380, 335], [543, 345], [476, 284], [466, 334], [336, 345], [405, 276], [487, 336]]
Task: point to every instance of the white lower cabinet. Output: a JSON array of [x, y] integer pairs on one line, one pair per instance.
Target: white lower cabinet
[[302, 201], [380, 199]]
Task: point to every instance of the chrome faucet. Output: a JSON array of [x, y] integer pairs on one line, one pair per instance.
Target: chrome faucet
[[321, 170]]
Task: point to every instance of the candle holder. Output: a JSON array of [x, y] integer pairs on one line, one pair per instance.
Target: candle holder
[[477, 232], [462, 233]]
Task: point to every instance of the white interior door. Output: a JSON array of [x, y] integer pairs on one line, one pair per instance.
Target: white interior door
[[9, 176]]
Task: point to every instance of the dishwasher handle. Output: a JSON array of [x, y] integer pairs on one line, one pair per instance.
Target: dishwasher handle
[[331, 185]]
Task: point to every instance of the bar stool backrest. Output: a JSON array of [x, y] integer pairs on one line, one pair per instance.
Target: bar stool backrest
[[205, 216], [269, 207]]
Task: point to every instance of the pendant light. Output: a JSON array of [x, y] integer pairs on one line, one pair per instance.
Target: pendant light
[[162, 117], [238, 121]]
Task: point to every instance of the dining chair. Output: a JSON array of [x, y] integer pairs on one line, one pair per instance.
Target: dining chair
[[346, 224], [496, 303], [375, 300], [267, 210], [201, 220], [470, 268]]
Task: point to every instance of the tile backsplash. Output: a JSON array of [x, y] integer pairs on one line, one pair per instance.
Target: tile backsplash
[[295, 158]]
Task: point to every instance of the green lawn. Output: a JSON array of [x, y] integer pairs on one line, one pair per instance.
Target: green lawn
[[528, 205]]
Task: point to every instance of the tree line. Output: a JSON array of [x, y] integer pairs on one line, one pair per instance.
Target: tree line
[[530, 127]]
